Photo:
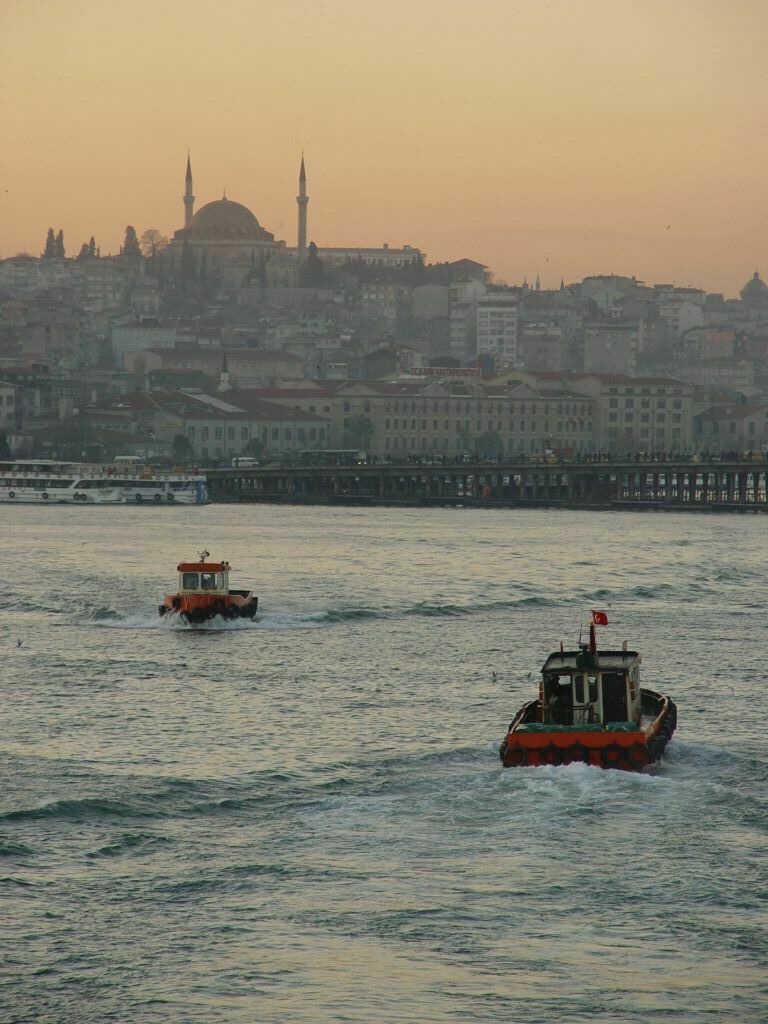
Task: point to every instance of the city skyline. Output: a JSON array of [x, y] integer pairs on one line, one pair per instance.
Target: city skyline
[[615, 139]]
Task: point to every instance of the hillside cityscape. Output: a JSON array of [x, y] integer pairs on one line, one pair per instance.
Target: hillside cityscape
[[223, 341]]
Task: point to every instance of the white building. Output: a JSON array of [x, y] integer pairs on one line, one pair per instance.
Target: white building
[[497, 328], [383, 257]]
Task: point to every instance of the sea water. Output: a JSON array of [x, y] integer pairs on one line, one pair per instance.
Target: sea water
[[306, 819]]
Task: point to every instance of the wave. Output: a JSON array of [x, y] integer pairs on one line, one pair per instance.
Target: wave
[[11, 849], [85, 809], [138, 842], [348, 614], [20, 883], [433, 609]]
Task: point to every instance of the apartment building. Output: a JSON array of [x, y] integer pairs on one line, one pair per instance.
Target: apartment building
[[497, 329]]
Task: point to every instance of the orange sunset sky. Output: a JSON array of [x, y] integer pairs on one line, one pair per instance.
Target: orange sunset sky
[[553, 136]]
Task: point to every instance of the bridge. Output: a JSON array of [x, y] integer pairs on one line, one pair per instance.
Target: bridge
[[673, 485]]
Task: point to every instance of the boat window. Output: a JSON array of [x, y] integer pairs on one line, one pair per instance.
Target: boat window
[[207, 580], [593, 689], [189, 581], [578, 689]]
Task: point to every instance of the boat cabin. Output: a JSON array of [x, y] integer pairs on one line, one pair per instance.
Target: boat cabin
[[582, 688], [203, 577]]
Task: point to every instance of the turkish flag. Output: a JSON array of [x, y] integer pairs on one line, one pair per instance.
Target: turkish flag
[[599, 619]]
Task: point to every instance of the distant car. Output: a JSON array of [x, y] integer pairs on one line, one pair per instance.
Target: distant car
[[244, 462]]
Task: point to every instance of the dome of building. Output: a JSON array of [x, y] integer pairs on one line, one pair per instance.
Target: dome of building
[[755, 290], [225, 219]]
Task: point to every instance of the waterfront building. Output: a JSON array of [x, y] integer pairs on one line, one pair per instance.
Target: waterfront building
[[444, 416], [216, 427], [640, 413], [733, 428]]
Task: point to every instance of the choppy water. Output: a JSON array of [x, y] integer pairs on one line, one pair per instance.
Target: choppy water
[[305, 819]]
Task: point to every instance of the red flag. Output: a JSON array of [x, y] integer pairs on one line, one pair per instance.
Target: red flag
[[599, 618]]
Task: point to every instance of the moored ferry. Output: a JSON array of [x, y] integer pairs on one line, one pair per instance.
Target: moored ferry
[[45, 481], [591, 708]]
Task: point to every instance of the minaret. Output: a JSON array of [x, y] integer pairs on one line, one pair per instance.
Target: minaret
[[189, 199], [302, 199], [224, 384]]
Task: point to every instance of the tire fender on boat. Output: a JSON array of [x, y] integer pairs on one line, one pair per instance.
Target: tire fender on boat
[[577, 752], [44, 495], [637, 755], [554, 755], [612, 754], [516, 757], [11, 494]]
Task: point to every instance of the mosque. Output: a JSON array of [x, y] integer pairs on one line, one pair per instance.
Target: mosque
[[226, 241]]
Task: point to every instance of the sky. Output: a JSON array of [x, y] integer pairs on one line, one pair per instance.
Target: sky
[[559, 137]]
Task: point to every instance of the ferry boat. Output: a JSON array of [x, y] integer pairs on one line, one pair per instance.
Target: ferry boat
[[591, 708], [44, 481], [204, 593]]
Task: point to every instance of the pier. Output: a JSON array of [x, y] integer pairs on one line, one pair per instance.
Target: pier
[[675, 485]]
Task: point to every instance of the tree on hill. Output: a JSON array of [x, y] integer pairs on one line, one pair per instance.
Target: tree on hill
[[50, 245], [151, 242], [313, 272], [130, 247], [92, 248], [83, 254], [60, 253], [187, 265]]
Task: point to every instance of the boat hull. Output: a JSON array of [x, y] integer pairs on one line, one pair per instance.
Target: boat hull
[[622, 747], [197, 609]]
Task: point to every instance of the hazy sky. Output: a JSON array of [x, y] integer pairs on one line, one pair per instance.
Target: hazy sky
[[568, 137]]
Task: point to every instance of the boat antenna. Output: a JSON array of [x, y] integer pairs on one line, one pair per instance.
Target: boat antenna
[[202, 555]]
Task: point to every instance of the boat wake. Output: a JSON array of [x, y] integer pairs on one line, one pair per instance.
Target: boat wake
[[172, 623]]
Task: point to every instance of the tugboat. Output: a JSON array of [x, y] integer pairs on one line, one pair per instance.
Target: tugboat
[[204, 593], [592, 709]]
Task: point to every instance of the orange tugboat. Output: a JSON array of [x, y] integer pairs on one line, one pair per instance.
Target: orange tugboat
[[204, 593], [591, 708]]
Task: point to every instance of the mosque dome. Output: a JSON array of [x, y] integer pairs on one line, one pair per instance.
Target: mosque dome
[[755, 290], [226, 220]]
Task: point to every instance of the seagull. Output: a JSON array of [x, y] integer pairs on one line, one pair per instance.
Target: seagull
[[19, 643], [668, 226]]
